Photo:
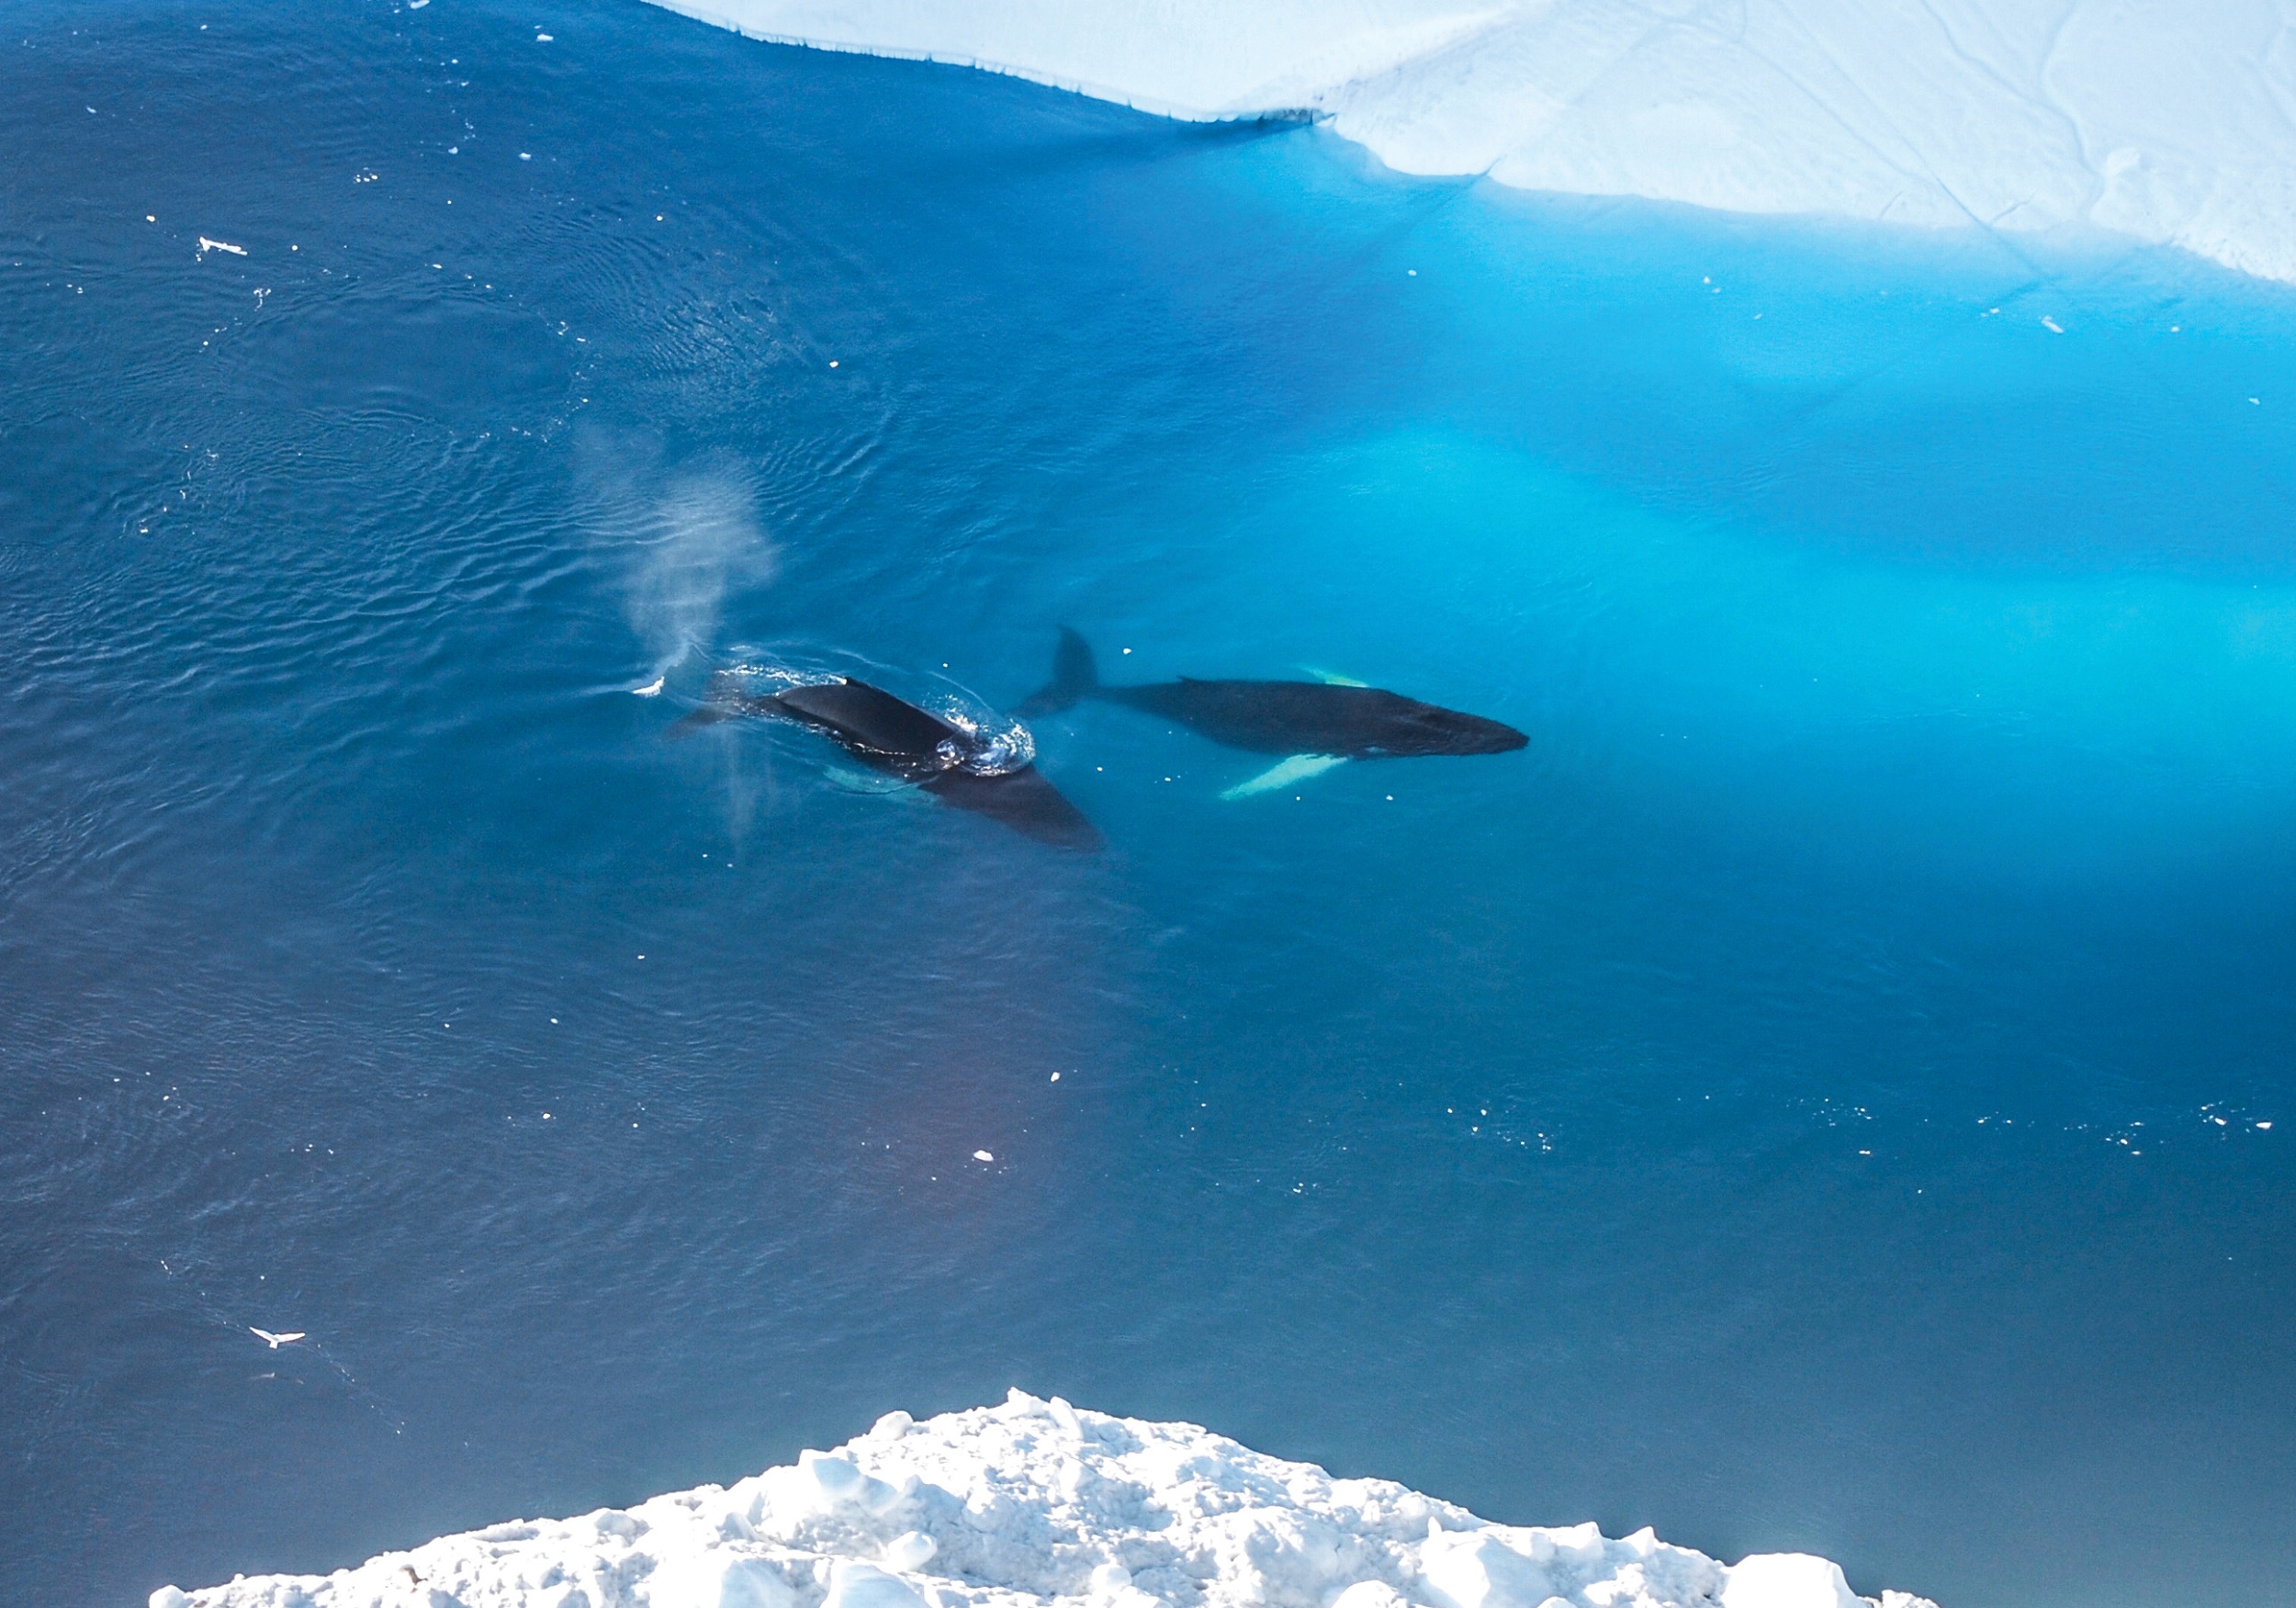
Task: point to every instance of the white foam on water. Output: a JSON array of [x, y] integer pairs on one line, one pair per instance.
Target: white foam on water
[[2171, 124], [1039, 1504]]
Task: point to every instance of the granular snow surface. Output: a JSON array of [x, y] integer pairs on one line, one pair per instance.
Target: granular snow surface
[[1035, 1503]]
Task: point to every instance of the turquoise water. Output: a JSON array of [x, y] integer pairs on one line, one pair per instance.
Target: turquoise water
[[1810, 1098]]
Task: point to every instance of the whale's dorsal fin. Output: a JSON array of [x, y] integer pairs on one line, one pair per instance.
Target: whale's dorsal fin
[[1283, 773], [1333, 678]]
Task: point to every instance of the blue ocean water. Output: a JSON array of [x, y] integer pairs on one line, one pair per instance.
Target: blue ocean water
[[1816, 1096]]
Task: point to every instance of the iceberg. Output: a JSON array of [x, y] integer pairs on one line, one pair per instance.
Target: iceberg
[[2166, 124], [1038, 1504]]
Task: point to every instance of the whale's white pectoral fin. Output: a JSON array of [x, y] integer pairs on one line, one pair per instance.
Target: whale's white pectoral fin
[[1298, 767], [1332, 678]]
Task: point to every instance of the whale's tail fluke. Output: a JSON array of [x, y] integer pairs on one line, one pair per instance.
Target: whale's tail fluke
[[1074, 675]]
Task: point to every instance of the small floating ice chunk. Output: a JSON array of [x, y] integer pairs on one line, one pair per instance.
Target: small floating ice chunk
[[652, 689], [716, 1580], [1478, 1570], [2054, 328], [821, 1486], [1369, 1594], [835, 1478], [982, 1155], [1787, 1579], [910, 1551], [864, 1585], [207, 245]]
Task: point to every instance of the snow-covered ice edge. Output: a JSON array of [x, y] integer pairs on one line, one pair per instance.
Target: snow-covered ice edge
[[1038, 1504], [2167, 123]]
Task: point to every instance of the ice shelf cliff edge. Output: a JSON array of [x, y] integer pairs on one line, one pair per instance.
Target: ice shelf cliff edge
[[2171, 125]]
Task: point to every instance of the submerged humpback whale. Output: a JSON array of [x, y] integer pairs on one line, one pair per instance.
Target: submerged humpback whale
[[1318, 724], [898, 739]]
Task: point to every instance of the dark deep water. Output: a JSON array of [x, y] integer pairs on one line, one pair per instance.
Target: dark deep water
[[1815, 1098]]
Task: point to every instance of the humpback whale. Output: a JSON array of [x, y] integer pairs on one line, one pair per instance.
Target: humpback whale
[[898, 739], [1316, 724]]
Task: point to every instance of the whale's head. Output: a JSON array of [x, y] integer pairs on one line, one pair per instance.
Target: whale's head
[[1423, 729]]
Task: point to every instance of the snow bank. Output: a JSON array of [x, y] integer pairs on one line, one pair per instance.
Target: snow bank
[[2170, 122], [1034, 1504]]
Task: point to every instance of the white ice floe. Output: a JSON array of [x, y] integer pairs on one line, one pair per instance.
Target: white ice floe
[[2169, 122], [1037, 1504]]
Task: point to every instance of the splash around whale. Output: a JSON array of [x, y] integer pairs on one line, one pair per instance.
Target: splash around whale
[[913, 746], [1328, 720]]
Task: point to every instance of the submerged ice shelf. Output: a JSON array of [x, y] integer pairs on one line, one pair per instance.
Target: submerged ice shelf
[[2175, 125], [1032, 1503]]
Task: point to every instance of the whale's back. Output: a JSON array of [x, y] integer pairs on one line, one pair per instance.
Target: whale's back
[[1318, 717], [869, 721]]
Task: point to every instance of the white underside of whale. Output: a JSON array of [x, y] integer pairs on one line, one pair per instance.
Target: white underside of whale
[[1298, 767]]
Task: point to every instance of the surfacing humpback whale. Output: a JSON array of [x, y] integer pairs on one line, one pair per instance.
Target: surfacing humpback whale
[[1318, 724], [898, 739]]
